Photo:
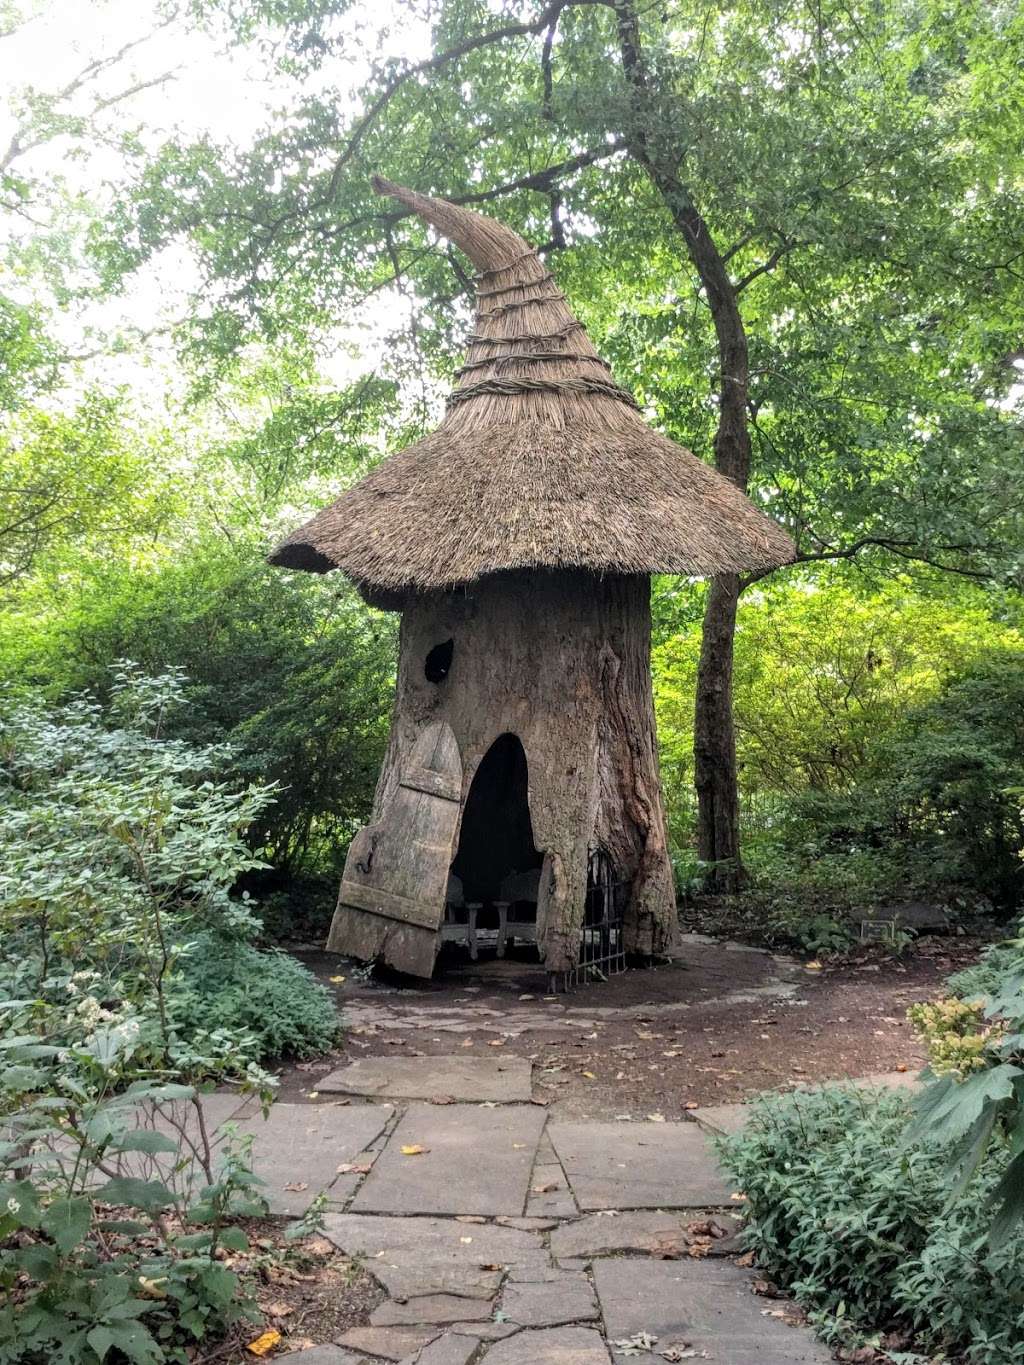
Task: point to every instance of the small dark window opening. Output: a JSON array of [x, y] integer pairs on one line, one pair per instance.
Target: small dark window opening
[[439, 662]]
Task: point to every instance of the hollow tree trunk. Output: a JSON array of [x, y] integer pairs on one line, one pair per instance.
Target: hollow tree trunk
[[561, 661]]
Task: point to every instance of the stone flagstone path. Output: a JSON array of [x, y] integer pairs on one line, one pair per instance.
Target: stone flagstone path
[[502, 1237]]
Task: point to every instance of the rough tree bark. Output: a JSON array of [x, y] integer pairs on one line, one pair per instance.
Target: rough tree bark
[[561, 660], [714, 747]]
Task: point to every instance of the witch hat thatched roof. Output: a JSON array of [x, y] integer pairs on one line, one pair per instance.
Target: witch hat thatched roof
[[542, 460]]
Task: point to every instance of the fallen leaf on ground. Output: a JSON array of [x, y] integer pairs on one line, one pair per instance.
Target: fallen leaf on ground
[[414, 1149], [279, 1309], [337, 980], [318, 1246], [678, 1351], [590, 1075], [496, 1042], [746, 1260], [635, 1345], [297, 1186], [545, 1188], [767, 1289], [442, 1099], [656, 1118], [354, 1168], [264, 1344]]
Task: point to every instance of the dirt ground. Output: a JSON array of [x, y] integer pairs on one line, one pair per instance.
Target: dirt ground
[[717, 1024]]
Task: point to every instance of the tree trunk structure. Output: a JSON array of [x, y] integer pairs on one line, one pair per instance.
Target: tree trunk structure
[[523, 737], [714, 741]]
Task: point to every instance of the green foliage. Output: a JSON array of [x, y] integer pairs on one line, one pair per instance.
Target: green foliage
[[951, 1030], [75, 484], [824, 670], [290, 668], [870, 1241], [976, 1098], [119, 849], [78, 1282], [847, 164], [999, 962], [266, 996], [931, 811]]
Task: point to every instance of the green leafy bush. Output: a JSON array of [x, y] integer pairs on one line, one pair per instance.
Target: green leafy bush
[[106, 1244], [999, 963], [976, 1097], [292, 670], [858, 1224], [119, 849], [265, 995]]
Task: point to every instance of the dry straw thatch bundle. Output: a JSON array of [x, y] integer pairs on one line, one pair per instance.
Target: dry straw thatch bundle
[[542, 461]]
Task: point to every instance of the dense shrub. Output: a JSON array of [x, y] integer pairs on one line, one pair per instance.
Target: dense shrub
[[119, 849], [265, 995], [291, 669], [999, 964], [932, 813], [857, 1225]]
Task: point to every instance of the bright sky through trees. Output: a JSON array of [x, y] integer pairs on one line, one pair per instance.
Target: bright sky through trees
[[136, 64]]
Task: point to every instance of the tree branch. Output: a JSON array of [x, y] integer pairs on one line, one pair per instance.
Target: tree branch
[[429, 65], [904, 549]]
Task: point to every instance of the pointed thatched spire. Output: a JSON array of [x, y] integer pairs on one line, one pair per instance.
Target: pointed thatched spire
[[542, 460]]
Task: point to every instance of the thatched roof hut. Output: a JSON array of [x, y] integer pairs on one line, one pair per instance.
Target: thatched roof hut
[[520, 791], [542, 459]]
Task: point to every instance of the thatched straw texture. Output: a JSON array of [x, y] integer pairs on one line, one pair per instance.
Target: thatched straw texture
[[541, 461]]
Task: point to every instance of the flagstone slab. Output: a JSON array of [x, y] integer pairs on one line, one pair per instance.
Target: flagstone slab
[[551, 1346], [550, 1196], [430, 1308], [705, 1305], [302, 1145], [446, 1350], [499, 1080], [565, 1297], [639, 1165], [392, 1343], [323, 1355], [600, 1235], [418, 1256], [484, 1331], [476, 1161], [722, 1118]]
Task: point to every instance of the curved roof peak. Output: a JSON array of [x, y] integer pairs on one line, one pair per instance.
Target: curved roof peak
[[541, 460]]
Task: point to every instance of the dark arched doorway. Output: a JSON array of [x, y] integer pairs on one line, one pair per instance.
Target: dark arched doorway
[[496, 838]]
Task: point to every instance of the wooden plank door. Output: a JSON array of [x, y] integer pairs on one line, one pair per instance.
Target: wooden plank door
[[392, 896]]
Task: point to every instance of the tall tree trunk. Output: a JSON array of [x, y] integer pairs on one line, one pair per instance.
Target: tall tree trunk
[[715, 772], [714, 740]]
